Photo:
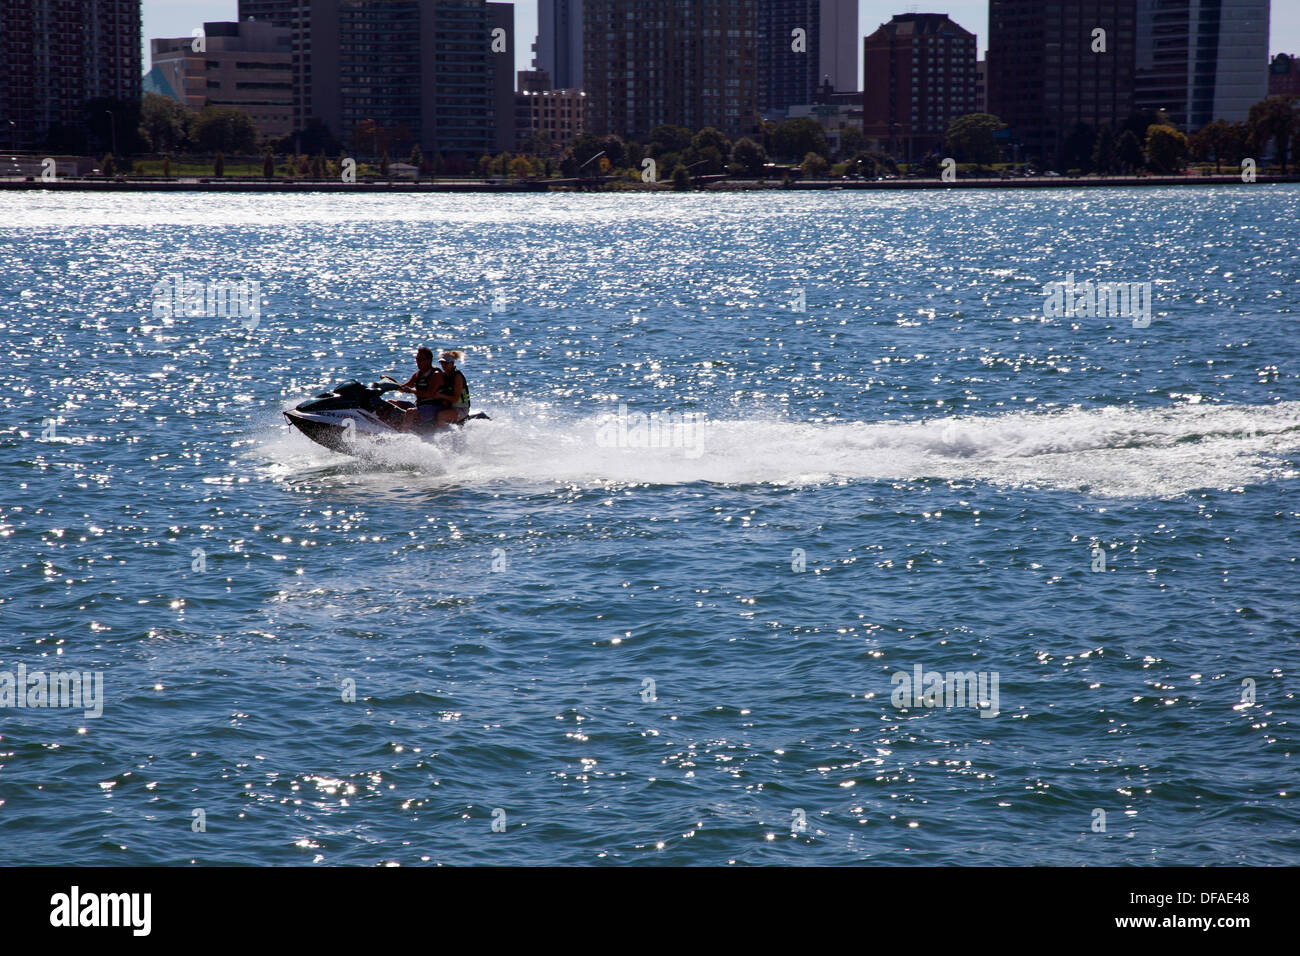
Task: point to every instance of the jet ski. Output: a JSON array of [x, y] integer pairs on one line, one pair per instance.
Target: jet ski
[[346, 419]]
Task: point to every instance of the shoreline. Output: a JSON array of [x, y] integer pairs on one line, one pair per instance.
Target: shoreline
[[229, 185]]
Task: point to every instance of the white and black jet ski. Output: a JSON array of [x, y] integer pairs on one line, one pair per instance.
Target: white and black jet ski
[[354, 416]]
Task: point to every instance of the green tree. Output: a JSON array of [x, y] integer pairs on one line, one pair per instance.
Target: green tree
[[814, 166], [749, 155], [224, 129], [167, 166], [166, 123], [1166, 148], [219, 164], [1273, 120], [681, 178], [1129, 150], [383, 164], [1105, 152], [615, 151], [667, 138], [710, 149], [583, 150], [973, 138], [799, 137], [852, 142]]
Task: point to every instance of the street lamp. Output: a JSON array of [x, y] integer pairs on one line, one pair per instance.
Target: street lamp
[[589, 162]]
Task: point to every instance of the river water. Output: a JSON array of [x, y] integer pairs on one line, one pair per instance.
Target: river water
[[567, 636]]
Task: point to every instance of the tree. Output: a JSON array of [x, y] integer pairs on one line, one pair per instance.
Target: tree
[[315, 137], [799, 137], [1273, 120], [520, 168], [224, 129], [167, 166], [108, 167], [1219, 140], [615, 151], [584, 149], [681, 178], [383, 164], [268, 165], [1105, 153], [370, 139], [1076, 151], [973, 138], [1129, 150], [1166, 148], [1139, 121], [667, 138], [218, 165], [815, 166], [711, 146], [750, 156], [166, 123], [852, 142]]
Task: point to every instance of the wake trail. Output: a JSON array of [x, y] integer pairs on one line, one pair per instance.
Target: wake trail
[[1113, 451]]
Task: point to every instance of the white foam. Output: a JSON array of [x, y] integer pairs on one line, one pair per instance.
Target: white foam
[[1117, 451]]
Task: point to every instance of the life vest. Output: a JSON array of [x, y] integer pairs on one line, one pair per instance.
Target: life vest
[[421, 384], [449, 391]]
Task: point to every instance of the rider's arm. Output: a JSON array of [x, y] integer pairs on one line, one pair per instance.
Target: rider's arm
[[410, 384]]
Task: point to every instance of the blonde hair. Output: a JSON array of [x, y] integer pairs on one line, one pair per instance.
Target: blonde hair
[[454, 354]]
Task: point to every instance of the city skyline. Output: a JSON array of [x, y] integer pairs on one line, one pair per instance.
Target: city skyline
[[165, 18]]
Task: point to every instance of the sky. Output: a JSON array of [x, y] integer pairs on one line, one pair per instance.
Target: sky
[[177, 18]]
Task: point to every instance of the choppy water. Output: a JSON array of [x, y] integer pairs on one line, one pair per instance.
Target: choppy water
[[942, 460]]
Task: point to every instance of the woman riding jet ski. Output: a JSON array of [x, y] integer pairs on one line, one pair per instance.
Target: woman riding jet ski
[[442, 396], [337, 419]]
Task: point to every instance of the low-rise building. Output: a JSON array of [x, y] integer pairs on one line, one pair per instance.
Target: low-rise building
[[1284, 75], [246, 65]]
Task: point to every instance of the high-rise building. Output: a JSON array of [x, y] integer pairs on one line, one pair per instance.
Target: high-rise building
[[919, 76], [1284, 75], [1050, 71], [801, 44], [246, 65], [418, 70], [1201, 60], [559, 42], [501, 17], [69, 68], [691, 64]]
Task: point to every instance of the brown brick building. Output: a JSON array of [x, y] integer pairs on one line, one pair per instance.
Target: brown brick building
[[1284, 75], [691, 64], [56, 59], [918, 76]]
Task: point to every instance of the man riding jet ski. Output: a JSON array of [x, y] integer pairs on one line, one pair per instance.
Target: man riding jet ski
[[337, 419]]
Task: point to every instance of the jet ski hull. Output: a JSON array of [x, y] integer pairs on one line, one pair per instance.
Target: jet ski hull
[[352, 419]]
